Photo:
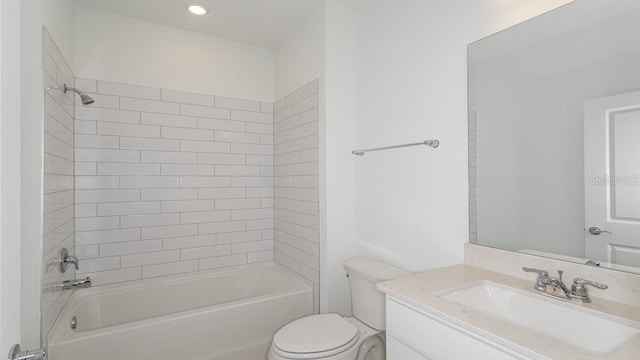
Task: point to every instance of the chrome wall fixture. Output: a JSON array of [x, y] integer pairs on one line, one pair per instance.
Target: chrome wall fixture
[[431, 143], [72, 284], [65, 259], [16, 353], [86, 99]]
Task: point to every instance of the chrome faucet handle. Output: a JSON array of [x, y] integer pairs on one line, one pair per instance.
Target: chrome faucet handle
[[580, 281], [70, 259], [540, 285], [540, 272], [579, 291], [66, 259]]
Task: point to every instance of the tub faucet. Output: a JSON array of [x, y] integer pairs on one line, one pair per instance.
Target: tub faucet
[[66, 259], [73, 284], [550, 285], [63, 261]]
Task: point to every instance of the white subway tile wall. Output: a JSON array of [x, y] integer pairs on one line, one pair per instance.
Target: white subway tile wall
[[296, 210], [58, 180], [170, 182]]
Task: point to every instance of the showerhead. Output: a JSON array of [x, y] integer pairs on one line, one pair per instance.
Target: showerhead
[[86, 99]]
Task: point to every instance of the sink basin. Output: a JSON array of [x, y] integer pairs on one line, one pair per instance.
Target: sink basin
[[563, 321]]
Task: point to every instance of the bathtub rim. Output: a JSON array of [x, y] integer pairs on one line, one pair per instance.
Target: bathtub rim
[[66, 334], [193, 275]]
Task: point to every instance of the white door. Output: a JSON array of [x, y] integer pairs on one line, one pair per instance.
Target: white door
[[9, 175], [612, 175]]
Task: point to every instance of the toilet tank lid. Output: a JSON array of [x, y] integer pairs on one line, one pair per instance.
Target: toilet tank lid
[[372, 270]]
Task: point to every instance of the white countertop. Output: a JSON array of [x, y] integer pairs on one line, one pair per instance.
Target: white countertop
[[419, 290]]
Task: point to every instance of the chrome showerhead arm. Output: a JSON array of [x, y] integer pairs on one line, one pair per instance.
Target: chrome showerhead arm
[[86, 99]]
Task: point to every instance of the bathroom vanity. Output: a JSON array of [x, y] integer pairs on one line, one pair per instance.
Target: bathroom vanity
[[466, 312], [409, 325]]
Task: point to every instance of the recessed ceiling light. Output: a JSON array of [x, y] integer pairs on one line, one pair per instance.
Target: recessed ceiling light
[[197, 9]]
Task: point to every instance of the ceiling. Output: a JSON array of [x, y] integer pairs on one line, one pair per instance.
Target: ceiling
[[260, 22]]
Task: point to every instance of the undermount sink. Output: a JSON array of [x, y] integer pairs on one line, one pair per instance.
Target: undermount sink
[[560, 320]]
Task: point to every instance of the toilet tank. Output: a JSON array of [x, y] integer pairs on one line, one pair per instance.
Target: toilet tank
[[367, 302]]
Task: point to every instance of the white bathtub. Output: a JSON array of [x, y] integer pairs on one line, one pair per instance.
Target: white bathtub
[[227, 314]]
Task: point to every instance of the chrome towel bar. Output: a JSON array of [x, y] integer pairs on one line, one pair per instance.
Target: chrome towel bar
[[432, 143]]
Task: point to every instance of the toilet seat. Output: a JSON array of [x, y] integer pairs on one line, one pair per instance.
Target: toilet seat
[[316, 336]]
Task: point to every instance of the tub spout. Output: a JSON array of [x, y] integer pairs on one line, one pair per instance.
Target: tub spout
[[76, 284]]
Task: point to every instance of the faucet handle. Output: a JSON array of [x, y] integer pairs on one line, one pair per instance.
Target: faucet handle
[[542, 276], [65, 259], [579, 291], [580, 281], [540, 272], [70, 259]]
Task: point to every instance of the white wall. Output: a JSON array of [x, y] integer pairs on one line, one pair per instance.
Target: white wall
[[116, 48], [10, 260], [336, 170], [299, 59], [58, 19], [34, 15], [411, 205]]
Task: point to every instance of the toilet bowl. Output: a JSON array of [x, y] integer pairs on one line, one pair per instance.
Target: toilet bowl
[[333, 337], [326, 336]]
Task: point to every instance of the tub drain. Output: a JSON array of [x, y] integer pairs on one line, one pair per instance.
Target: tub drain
[[74, 323]]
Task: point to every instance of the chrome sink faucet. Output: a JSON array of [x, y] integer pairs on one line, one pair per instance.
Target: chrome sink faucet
[[557, 287]]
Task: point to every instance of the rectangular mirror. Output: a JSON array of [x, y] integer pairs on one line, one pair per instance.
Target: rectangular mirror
[[554, 135]]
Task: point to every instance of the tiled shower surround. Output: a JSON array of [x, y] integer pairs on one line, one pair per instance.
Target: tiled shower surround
[[296, 184], [58, 179], [170, 182]]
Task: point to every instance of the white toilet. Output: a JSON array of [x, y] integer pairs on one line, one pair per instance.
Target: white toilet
[[333, 337]]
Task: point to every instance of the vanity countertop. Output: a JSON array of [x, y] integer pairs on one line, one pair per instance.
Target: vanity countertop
[[420, 291]]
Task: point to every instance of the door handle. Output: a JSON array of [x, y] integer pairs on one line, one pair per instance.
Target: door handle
[[16, 353], [594, 230]]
